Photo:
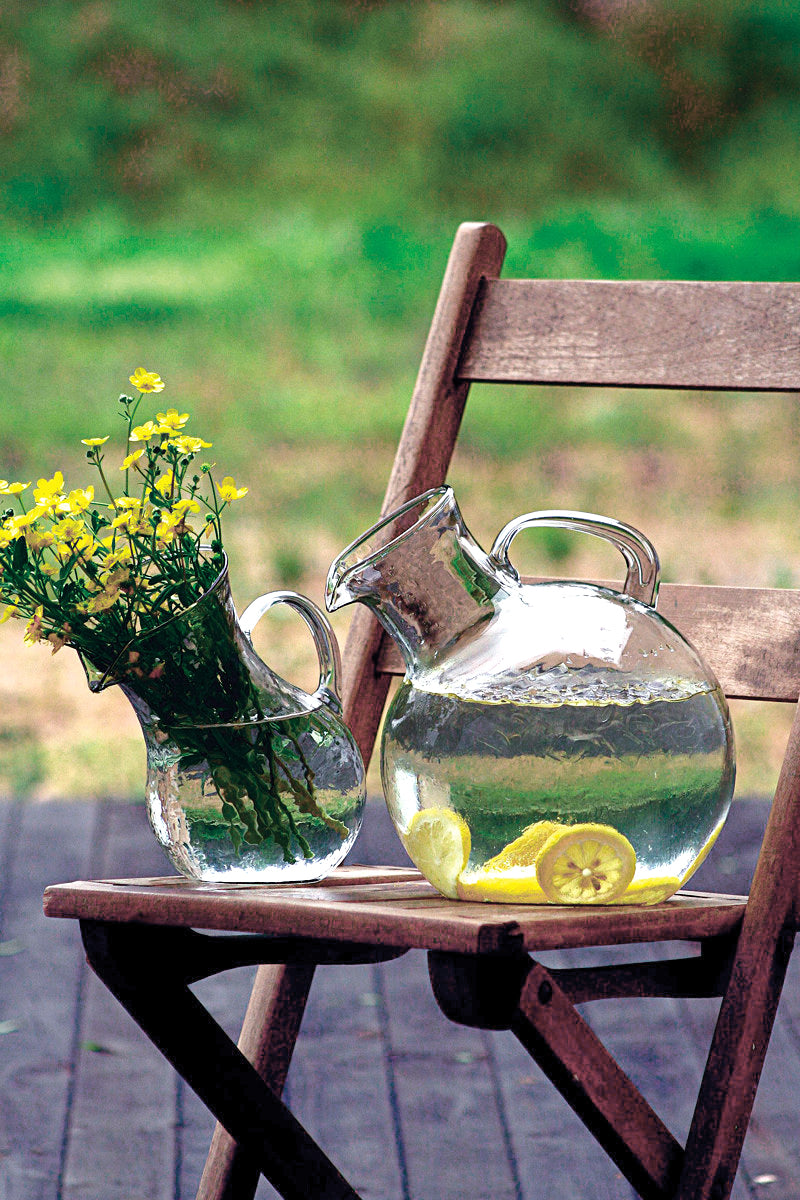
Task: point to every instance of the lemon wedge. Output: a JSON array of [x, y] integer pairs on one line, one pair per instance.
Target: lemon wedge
[[650, 891], [523, 850], [703, 855], [585, 864], [438, 842], [500, 887]]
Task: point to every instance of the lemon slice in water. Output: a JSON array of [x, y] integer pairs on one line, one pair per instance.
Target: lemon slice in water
[[585, 864], [523, 850], [504, 887], [650, 891], [438, 842]]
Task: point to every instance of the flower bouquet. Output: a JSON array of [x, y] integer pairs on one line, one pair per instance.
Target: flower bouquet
[[249, 778]]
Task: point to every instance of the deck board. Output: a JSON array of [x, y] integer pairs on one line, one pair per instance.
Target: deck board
[[112, 1145], [371, 1071]]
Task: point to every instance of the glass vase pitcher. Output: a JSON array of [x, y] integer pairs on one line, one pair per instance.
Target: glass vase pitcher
[[552, 742], [250, 779]]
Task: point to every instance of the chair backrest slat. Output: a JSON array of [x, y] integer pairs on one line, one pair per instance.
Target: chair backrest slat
[[750, 637], [644, 333]]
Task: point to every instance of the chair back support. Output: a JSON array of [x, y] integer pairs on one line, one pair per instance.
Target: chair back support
[[645, 334]]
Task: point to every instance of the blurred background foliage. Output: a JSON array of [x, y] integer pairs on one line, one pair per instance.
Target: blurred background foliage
[[257, 200]]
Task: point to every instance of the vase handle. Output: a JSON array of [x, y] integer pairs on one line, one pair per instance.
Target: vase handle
[[330, 663]]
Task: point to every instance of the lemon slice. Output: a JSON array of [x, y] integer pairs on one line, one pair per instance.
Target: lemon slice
[[703, 855], [650, 891], [500, 887], [523, 850], [438, 842], [585, 864]]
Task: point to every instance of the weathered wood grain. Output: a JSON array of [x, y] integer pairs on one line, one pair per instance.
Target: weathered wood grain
[[541, 1140], [750, 637], [451, 1124], [643, 333], [38, 997], [339, 1084], [548, 1141], [406, 912], [592, 1082]]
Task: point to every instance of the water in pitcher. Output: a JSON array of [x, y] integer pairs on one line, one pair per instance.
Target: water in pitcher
[[652, 761]]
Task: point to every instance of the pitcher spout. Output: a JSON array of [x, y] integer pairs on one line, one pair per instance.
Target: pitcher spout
[[422, 574]]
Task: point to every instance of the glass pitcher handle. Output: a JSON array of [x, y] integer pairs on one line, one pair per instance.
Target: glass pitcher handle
[[330, 663], [642, 579]]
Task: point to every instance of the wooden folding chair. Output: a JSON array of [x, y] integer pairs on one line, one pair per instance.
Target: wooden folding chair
[[142, 936]]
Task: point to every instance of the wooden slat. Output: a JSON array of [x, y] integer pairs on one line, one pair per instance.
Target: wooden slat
[[407, 913], [750, 637], [649, 333]]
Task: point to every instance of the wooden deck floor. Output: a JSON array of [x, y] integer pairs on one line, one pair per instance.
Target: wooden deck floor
[[409, 1106]]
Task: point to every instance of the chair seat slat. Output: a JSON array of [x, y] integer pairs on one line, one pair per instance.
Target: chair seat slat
[[644, 333], [405, 911]]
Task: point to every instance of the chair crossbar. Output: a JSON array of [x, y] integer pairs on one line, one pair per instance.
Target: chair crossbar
[[651, 333], [749, 636]]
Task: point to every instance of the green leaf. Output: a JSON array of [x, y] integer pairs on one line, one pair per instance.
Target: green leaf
[[19, 558]]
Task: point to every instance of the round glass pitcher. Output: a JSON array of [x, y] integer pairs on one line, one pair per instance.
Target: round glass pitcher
[[551, 742]]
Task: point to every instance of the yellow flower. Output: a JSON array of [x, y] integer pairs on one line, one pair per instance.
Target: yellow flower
[[172, 420], [101, 601], [47, 489], [187, 504], [33, 630], [10, 611], [49, 496], [38, 541], [80, 499], [146, 381], [130, 459], [57, 640], [95, 441], [229, 491], [131, 520], [142, 433], [23, 520], [69, 529], [164, 484], [127, 501], [120, 555], [189, 445], [12, 489], [168, 526], [7, 536]]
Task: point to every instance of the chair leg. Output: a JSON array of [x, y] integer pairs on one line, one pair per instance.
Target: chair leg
[[269, 1034], [733, 1070], [518, 993], [148, 969], [748, 1008]]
